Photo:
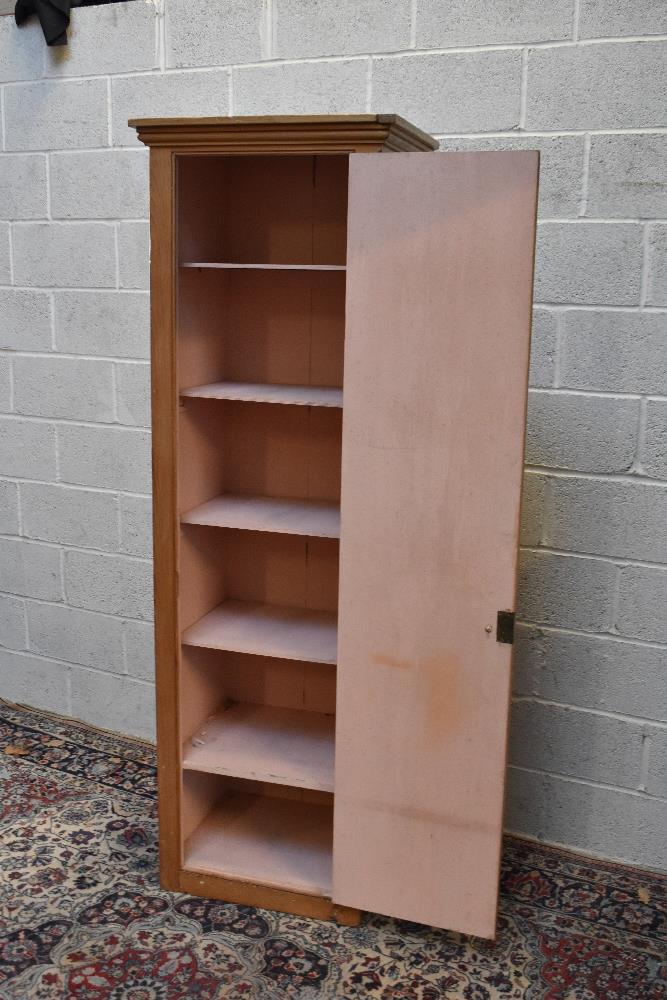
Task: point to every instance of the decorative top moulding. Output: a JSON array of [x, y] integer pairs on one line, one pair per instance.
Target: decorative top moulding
[[285, 134]]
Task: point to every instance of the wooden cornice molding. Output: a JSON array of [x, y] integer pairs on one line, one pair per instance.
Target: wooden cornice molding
[[285, 134]]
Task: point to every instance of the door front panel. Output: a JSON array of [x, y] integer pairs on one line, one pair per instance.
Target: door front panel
[[439, 288]]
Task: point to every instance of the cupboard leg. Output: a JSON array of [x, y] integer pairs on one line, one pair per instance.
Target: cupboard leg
[[346, 916]]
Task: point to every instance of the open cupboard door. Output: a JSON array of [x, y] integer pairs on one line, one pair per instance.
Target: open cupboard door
[[438, 314]]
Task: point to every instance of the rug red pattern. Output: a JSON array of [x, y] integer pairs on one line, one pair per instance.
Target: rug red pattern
[[82, 915]]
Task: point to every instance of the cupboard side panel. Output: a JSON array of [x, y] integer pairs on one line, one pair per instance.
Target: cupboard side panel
[[439, 289], [164, 403]]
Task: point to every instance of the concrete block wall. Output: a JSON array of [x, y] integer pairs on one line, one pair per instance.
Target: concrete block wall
[[585, 81]]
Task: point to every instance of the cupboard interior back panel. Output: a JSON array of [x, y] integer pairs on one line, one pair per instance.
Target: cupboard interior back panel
[[257, 326], [214, 678], [260, 567], [257, 449], [263, 209], [250, 831], [258, 496]]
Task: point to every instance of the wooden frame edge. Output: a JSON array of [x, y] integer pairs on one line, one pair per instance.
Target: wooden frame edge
[[163, 396], [265, 897]]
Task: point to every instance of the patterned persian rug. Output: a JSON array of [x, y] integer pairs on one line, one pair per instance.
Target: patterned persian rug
[[82, 916]]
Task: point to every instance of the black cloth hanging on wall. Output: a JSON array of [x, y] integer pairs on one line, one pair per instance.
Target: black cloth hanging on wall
[[53, 16]]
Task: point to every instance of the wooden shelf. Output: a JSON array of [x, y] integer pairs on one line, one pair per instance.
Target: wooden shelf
[[264, 267], [282, 843], [267, 630], [281, 746], [312, 518], [262, 392]]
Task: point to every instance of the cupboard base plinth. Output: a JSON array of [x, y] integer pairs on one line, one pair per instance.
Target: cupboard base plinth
[[266, 897]]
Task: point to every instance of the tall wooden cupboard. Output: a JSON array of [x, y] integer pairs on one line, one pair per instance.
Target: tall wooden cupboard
[[339, 358]]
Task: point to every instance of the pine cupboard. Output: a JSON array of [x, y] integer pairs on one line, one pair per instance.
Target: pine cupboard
[[340, 349]]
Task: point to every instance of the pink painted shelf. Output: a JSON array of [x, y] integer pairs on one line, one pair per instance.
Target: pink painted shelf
[[267, 630], [263, 267], [282, 843], [294, 395], [261, 743], [314, 518]]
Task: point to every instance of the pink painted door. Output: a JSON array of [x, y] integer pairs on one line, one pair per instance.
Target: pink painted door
[[439, 289]]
